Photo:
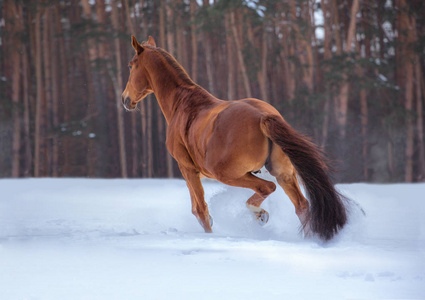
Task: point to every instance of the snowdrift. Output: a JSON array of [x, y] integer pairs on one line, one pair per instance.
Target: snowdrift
[[137, 239]]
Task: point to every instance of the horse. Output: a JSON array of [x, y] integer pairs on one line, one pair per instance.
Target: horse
[[230, 141]]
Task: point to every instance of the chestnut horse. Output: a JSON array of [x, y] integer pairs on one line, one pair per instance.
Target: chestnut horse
[[230, 140]]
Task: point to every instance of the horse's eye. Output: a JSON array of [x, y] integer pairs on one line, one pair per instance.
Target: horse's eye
[[129, 67]]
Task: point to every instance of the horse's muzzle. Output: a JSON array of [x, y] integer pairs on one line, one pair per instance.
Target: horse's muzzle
[[126, 102]]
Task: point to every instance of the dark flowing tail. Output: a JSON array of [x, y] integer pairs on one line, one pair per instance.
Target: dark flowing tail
[[327, 208]]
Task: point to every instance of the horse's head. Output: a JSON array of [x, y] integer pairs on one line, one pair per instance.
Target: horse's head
[[138, 85]]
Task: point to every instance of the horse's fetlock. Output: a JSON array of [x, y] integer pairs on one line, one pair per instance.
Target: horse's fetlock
[[272, 187]]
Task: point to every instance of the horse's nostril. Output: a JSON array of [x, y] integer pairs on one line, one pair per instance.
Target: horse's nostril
[[126, 101]]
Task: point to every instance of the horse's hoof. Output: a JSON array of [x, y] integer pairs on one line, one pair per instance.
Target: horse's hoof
[[262, 217], [210, 219]]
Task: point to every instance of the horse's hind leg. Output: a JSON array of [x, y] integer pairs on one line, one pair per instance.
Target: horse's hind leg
[[254, 203], [286, 175], [262, 189]]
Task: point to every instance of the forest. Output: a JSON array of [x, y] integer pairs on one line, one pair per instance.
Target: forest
[[347, 73]]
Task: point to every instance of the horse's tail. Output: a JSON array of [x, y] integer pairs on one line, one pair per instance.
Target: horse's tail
[[327, 208]]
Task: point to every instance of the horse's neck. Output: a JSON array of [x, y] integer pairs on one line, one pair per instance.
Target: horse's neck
[[165, 95], [169, 90]]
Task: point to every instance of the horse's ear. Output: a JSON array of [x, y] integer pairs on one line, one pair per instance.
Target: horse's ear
[[151, 41], [136, 45]]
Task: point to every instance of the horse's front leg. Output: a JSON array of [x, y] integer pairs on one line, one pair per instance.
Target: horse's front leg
[[199, 206]]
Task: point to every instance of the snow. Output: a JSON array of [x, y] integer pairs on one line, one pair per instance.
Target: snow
[[137, 239], [382, 78]]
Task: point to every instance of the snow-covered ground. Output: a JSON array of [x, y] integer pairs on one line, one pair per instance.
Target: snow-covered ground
[[137, 239]]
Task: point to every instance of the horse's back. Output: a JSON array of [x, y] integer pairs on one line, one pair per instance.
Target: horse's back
[[262, 107]]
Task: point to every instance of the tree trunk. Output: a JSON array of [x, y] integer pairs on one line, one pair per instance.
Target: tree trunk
[[15, 10], [91, 105], [337, 27], [391, 161], [55, 92], [364, 124], [38, 138], [162, 25], [146, 113], [262, 74], [342, 107], [285, 53], [16, 145], [170, 31], [149, 129], [27, 126], [410, 127], [352, 29], [101, 20], [47, 115], [194, 40], [134, 137], [326, 56], [161, 124], [180, 38], [64, 92], [118, 90], [209, 63], [206, 43], [420, 120], [101, 91], [231, 95], [239, 54], [406, 57], [128, 17], [88, 16], [304, 42]]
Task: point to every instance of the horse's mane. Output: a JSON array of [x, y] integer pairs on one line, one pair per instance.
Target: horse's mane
[[181, 73]]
